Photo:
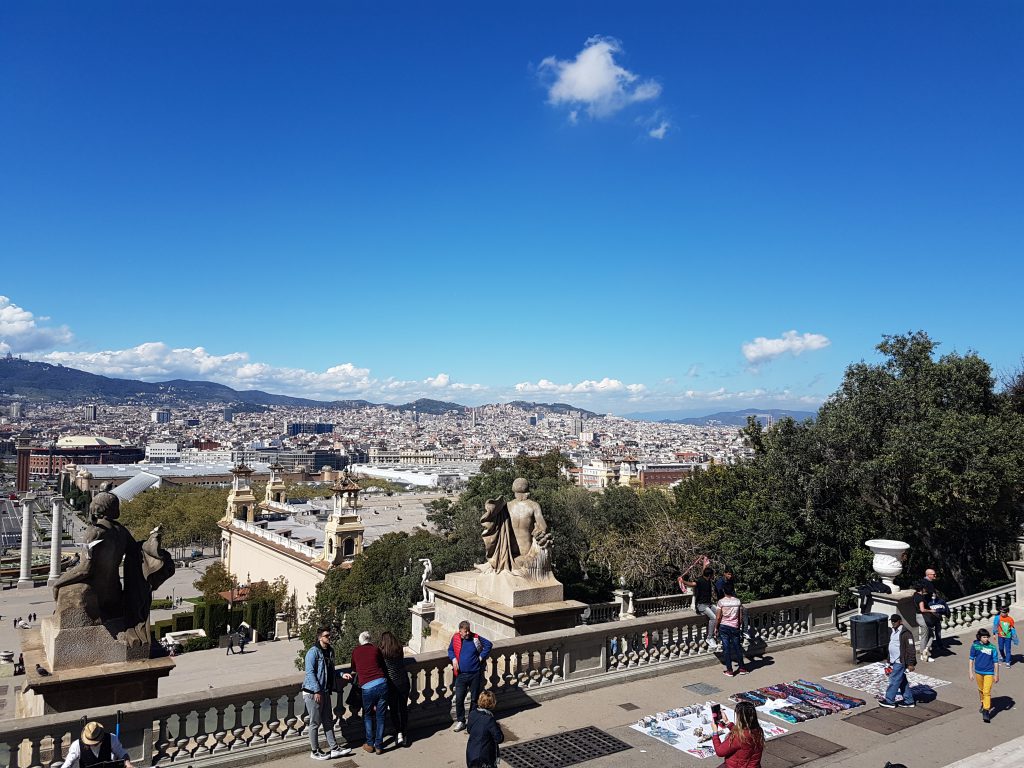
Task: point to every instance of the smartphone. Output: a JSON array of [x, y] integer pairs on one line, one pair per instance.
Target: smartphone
[[716, 713]]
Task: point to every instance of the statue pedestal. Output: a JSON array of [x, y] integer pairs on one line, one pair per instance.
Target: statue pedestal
[[422, 617], [500, 605], [72, 639], [85, 687]]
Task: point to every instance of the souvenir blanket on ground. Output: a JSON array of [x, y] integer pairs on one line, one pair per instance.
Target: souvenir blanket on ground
[[689, 729], [871, 678], [798, 701]]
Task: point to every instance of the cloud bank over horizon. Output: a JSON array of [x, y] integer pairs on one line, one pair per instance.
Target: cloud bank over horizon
[[23, 332]]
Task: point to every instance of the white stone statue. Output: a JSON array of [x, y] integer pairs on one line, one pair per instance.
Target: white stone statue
[[428, 569]]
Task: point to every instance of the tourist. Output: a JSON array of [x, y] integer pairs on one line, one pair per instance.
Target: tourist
[[726, 578], [928, 621], [484, 733], [368, 668], [103, 748], [317, 687], [704, 600], [468, 651], [231, 642], [744, 744], [902, 657], [932, 589], [729, 619], [983, 665], [1006, 635], [398, 686]]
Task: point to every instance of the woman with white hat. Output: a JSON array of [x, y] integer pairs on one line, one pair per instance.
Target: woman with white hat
[[96, 747]]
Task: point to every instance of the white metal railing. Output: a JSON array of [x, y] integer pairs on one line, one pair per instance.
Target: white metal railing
[[255, 722]]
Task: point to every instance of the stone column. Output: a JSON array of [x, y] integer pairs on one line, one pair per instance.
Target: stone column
[[28, 505], [1017, 566], [56, 539]]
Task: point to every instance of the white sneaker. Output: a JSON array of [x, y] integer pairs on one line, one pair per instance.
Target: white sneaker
[[318, 755], [339, 752], [712, 645], [400, 739], [459, 726]]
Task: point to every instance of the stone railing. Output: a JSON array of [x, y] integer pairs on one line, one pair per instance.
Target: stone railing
[[284, 541], [975, 611], [654, 606], [602, 612], [252, 723]]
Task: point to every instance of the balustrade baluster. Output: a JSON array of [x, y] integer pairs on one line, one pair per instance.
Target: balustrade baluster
[[275, 724]]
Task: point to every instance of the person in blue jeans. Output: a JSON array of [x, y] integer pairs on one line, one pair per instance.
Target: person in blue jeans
[[468, 651], [902, 655], [368, 668], [729, 621]]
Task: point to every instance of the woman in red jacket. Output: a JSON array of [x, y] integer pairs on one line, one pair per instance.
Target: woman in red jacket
[[743, 746]]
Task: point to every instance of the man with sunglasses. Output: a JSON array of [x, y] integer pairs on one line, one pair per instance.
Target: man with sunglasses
[[317, 687]]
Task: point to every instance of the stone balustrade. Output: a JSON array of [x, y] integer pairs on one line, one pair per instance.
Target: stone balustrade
[[965, 613], [284, 541], [243, 724], [976, 611]]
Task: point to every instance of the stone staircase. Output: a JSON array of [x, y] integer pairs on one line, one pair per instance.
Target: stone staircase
[[1010, 754]]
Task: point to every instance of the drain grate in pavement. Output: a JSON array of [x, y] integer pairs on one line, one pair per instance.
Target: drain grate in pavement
[[888, 721], [563, 749], [796, 748], [629, 707], [703, 689]]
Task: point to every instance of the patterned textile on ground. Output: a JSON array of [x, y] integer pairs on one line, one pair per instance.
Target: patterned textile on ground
[[798, 701], [689, 729], [871, 678]]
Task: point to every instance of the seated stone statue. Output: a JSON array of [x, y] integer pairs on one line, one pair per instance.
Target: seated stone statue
[[516, 537], [111, 549]]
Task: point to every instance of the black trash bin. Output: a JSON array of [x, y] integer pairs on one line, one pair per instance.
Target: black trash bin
[[868, 632]]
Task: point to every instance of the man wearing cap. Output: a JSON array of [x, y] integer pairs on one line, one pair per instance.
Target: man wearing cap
[[95, 747], [902, 657]]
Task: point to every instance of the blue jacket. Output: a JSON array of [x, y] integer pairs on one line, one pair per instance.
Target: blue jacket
[[469, 656], [484, 737], [320, 671]]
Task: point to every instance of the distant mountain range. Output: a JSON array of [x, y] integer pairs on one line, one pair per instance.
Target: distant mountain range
[[726, 418], [42, 381]]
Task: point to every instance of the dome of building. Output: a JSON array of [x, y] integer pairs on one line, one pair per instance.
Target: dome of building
[[88, 441]]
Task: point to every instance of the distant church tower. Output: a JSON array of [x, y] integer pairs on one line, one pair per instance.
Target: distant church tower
[[241, 502], [343, 534]]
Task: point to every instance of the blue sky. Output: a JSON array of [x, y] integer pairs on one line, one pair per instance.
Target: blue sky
[[685, 206]]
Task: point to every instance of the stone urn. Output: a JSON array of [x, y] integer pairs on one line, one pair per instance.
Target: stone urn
[[888, 562]]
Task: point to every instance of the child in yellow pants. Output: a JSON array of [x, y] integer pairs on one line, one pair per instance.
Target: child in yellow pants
[[984, 670]]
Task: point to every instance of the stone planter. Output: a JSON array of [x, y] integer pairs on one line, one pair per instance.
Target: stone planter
[[888, 562]]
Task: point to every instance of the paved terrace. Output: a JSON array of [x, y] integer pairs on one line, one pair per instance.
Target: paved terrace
[[932, 744], [596, 701]]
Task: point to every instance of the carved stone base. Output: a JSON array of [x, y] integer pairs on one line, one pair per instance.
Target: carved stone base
[[496, 620], [71, 637], [90, 686], [504, 588]]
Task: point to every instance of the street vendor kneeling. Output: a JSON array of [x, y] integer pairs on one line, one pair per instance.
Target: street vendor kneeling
[[96, 747]]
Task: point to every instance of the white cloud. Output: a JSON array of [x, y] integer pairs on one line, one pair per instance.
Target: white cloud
[[20, 330], [587, 387], [438, 382], [595, 82], [660, 131], [762, 349]]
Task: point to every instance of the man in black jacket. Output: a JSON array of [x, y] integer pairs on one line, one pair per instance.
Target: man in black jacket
[[902, 655]]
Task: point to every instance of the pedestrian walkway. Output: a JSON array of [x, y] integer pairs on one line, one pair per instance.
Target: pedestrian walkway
[[956, 733]]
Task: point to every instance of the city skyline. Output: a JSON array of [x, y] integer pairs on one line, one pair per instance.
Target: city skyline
[[672, 208]]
